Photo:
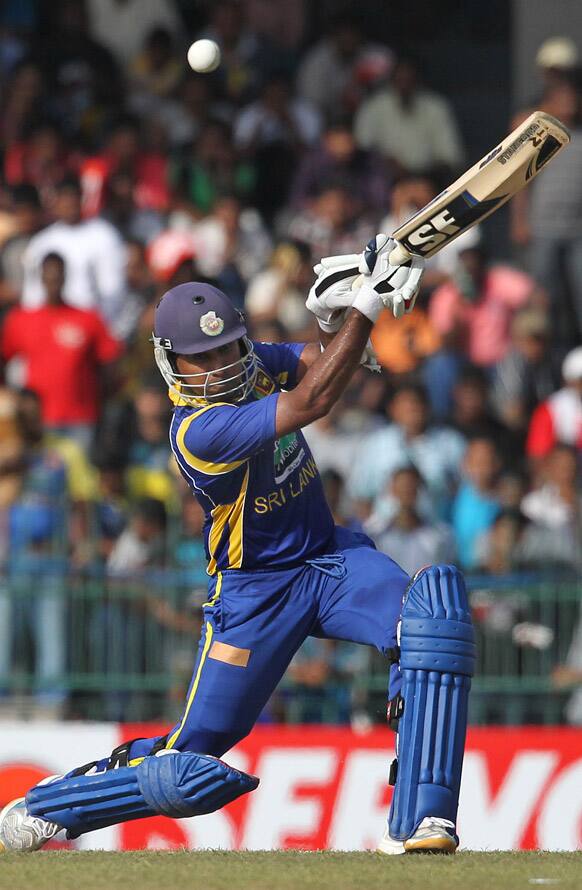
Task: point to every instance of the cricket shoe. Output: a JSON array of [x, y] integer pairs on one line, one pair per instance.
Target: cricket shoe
[[432, 836], [22, 833]]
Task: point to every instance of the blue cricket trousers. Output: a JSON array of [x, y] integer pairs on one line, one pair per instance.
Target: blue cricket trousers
[[255, 621]]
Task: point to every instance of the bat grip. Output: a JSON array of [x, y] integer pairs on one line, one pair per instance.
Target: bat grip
[[399, 255]]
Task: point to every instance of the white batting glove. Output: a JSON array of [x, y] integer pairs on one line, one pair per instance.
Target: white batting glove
[[398, 284], [331, 294]]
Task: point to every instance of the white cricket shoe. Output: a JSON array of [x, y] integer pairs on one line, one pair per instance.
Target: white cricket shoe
[[432, 836], [22, 833]]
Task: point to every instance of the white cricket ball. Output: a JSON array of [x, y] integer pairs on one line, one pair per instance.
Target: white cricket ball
[[204, 56]]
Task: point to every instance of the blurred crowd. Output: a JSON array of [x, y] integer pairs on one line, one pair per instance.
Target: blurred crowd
[[123, 173]]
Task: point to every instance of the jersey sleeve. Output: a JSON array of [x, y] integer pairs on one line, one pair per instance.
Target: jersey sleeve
[[281, 361], [219, 438]]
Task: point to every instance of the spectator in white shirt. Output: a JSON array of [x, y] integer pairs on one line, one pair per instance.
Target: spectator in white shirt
[[93, 253], [277, 117], [122, 25], [409, 438], [413, 127], [273, 132], [555, 509], [327, 67], [406, 535]]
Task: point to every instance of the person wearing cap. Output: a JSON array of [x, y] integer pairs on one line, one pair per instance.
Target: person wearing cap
[[556, 58], [559, 418], [524, 377]]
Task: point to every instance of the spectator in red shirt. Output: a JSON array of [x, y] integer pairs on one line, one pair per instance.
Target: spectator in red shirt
[[64, 350], [42, 159], [559, 418], [123, 152]]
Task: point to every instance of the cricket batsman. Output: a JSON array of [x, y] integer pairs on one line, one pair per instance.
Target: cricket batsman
[[281, 571]]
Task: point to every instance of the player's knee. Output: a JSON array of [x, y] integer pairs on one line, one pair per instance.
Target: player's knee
[[436, 608], [437, 590]]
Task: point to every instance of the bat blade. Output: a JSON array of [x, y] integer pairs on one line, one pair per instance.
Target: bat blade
[[484, 188]]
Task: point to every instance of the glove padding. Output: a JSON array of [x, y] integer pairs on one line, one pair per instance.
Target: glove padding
[[397, 285], [331, 293]]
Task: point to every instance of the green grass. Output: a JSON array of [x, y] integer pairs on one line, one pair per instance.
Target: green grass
[[288, 871]]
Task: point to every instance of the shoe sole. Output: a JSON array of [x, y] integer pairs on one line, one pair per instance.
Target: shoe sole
[[447, 845]]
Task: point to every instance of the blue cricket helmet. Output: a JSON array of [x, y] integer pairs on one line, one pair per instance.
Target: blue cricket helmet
[[191, 319]]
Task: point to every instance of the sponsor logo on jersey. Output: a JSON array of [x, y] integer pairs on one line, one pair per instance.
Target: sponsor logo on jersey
[[293, 487], [287, 456]]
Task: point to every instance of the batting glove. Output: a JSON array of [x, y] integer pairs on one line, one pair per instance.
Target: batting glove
[[331, 294], [397, 284]]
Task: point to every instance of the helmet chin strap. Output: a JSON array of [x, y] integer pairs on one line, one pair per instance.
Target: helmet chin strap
[[233, 388]]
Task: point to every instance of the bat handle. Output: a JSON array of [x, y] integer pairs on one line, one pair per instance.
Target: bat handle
[[399, 255]]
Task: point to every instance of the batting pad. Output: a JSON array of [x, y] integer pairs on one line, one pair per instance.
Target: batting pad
[[437, 659], [174, 784]]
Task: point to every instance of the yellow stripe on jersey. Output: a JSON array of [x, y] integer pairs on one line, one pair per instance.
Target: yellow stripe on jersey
[[235, 522], [204, 466], [219, 515], [230, 515], [172, 739]]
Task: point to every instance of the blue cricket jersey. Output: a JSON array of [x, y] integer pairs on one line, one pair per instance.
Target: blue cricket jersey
[[262, 497]]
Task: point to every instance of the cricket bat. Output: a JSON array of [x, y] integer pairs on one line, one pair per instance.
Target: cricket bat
[[483, 189]]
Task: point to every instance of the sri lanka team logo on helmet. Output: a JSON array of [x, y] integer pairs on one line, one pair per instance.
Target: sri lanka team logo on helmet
[[211, 324]]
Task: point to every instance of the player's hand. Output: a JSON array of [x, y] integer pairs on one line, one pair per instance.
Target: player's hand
[[397, 284], [331, 294]]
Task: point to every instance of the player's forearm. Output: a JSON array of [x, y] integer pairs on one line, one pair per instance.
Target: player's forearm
[[325, 338], [312, 352], [325, 380]]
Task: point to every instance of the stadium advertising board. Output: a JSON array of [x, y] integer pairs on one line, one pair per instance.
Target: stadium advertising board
[[324, 787]]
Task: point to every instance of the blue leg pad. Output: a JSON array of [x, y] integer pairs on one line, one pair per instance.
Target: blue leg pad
[[175, 784], [437, 659]]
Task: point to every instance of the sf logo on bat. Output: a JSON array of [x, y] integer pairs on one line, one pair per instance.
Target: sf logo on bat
[[433, 232]]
